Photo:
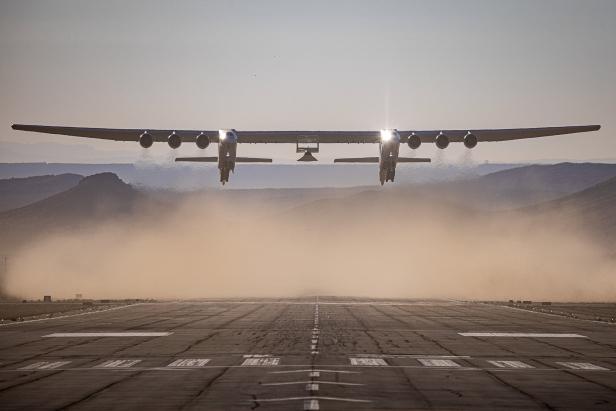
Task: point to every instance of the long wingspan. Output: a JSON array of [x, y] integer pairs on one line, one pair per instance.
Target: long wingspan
[[292, 137]]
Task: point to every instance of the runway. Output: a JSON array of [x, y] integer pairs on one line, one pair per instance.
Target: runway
[[309, 354]]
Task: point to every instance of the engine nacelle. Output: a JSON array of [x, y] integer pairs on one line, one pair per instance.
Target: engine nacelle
[[470, 140], [174, 141], [442, 141], [146, 140], [414, 141], [202, 141]]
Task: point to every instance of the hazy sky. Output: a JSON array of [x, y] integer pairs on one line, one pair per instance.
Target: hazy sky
[[311, 65]]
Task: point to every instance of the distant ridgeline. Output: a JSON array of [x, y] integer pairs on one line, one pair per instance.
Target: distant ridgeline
[[186, 177]]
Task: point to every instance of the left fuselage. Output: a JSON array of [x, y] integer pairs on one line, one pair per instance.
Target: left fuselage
[[227, 149]]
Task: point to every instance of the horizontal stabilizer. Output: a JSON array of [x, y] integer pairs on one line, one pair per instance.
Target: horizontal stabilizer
[[413, 160], [357, 160], [198, 159], [252, 160]]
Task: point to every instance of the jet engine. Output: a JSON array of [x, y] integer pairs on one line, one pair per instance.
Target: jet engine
[[442, 141], [470, 140], [146, 140], [202, 141], [414, 141], [174, 140]]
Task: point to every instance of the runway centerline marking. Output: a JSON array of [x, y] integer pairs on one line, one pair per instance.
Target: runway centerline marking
[[582, 366], [189, 363], [118, 364], [373, 362], [107, 334], [312, 387], [510, 364], [265, 361], [522, 335], [45, 365], [438, 362]]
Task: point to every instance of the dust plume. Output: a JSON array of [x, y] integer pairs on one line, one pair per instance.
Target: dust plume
[[373, 244]]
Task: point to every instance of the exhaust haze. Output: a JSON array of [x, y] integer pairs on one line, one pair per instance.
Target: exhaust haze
[[369, 244]]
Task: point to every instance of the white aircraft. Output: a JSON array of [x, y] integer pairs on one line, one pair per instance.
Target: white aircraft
[[307, 142]]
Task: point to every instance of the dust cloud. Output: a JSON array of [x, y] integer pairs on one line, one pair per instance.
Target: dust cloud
[[371, 245]]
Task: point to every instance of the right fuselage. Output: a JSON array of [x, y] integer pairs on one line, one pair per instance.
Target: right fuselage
[[389, 149]]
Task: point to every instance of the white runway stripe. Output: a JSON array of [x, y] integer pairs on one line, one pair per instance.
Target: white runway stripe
[[312, 387], [311, 405], [114, 334], [375, 362], [190, 363], [528, 335], [582, 366], [308, 382], [437, 363], [312, 398], [267, 361], [510, 364], [118, 364], [45, 365], [311, 370]]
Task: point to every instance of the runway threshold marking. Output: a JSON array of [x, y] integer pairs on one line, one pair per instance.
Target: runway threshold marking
[[309, 382], [118, 364], [408, 356], [522, 335], [189, 363], [107, 334], [374, 362], [313, 370], [45, 365], [265, 361], [311, 405], [312, 398], [582, 366], [438, 362], [510, 364]]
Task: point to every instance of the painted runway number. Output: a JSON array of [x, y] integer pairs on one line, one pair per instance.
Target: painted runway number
[[45, 365], [118, 364], [510, 364], [582, 366], [373, 362], [267, 361], [189, 363], [438, 363]]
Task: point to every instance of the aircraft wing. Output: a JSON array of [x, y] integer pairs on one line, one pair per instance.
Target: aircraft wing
[[292, 137], [497, 134]]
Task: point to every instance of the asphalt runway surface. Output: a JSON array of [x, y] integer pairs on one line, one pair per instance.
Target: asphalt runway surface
[[309, 354]]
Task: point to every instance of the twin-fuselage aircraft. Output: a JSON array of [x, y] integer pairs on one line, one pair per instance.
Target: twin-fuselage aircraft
[[307, 142]]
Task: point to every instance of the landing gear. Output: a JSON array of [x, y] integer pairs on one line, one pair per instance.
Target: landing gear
[[387, 173], [224, 175]]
